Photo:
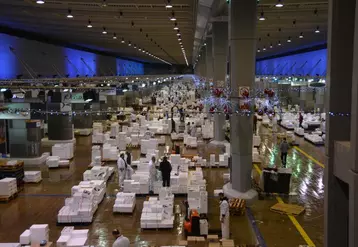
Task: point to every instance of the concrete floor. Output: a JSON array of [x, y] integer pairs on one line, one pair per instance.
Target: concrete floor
[[40, 203]]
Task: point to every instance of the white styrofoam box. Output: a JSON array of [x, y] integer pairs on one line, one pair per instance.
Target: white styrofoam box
[[8, 186], [212, 160], [11, 245], [114, 129], [175, 159], [227, 148], [63, 163], [226, 177], [32, 176], [63, 240], [217, 192], [204, 227], [64, 151], [96, 151], [223, 160], [38, 233], [53, 161], [11, 162], [25, 237]]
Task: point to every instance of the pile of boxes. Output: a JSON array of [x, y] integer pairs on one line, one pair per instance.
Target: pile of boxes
[[152, 144], [64, 151], [125, 203], [72, 238], [192, 142], [35, 235], [84, 202], [110, 152], [8, 187], [97, 127], [200, 161], [123, 141], [114, 129], [208, 130], [197, 194], [96, 152], [158, 213], [55, 161], [224, 160], [98, 173], [32, 177], [256, 141]]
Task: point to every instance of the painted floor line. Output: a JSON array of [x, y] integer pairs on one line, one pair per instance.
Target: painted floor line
[[309, 157], [298, 227], [260, 238]]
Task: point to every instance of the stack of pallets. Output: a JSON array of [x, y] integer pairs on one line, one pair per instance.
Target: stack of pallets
[[237, 206]]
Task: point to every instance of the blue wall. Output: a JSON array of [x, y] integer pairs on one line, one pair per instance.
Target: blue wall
[[309, 63], [46, 60]]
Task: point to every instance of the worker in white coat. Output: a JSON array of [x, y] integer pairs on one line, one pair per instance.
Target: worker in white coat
[[121, 241], [121, 163], [224, 217], [152, 174]]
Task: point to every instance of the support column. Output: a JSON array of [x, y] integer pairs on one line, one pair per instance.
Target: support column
[[242, 28], [338, 218], [209, 59], [319, 99], [219, 55]]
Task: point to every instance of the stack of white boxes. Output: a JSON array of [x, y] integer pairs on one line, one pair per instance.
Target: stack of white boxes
[[200, 161], [122, 141], [125, 203], [158, 213], [97, 127], [64, 151], [84, 202], [8, 187], [110, 152], [135, 140], [152, 144], [72, 238], [32, 176], [39, 233], [114, 129], [224, 160], [255, 156], [197, 194], [98, 173], [53, 161], [256, 141], [226, 177], [161, 140], [192, 142], [96, 152], [208, 130], [212, 160]]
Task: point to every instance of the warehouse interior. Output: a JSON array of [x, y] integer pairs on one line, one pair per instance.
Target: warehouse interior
[[178, 123]]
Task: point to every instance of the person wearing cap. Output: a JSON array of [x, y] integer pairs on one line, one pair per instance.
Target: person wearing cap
[[121, 241]]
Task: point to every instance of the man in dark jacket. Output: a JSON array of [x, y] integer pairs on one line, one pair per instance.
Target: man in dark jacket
[[166, 168]]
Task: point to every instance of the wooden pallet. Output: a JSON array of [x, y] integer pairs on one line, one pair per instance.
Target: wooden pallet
[[290, 209], [4, 167], [237, 206], [6, 199], [33, 182]]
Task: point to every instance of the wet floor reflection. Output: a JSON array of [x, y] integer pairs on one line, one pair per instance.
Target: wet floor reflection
[[307, 182]]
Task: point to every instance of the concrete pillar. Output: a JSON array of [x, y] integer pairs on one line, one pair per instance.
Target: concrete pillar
[[242, 28], [209, 59], [219, 55], [337, 213]]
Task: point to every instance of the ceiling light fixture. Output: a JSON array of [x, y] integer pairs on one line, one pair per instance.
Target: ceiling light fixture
[[178, 33], [317, 30], [176, 26], [168, 5], [89, 24], [69, 15], [104, 4], [139, 49], [172, 18], [40, 1], [135, 46], [301, 35], [258, 50], [104, 30], [279, 4], [279, 43], [123, 41], [271, 46], [114, 36], [262, 16], [264, 48], [129, 44], [289, 39]]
